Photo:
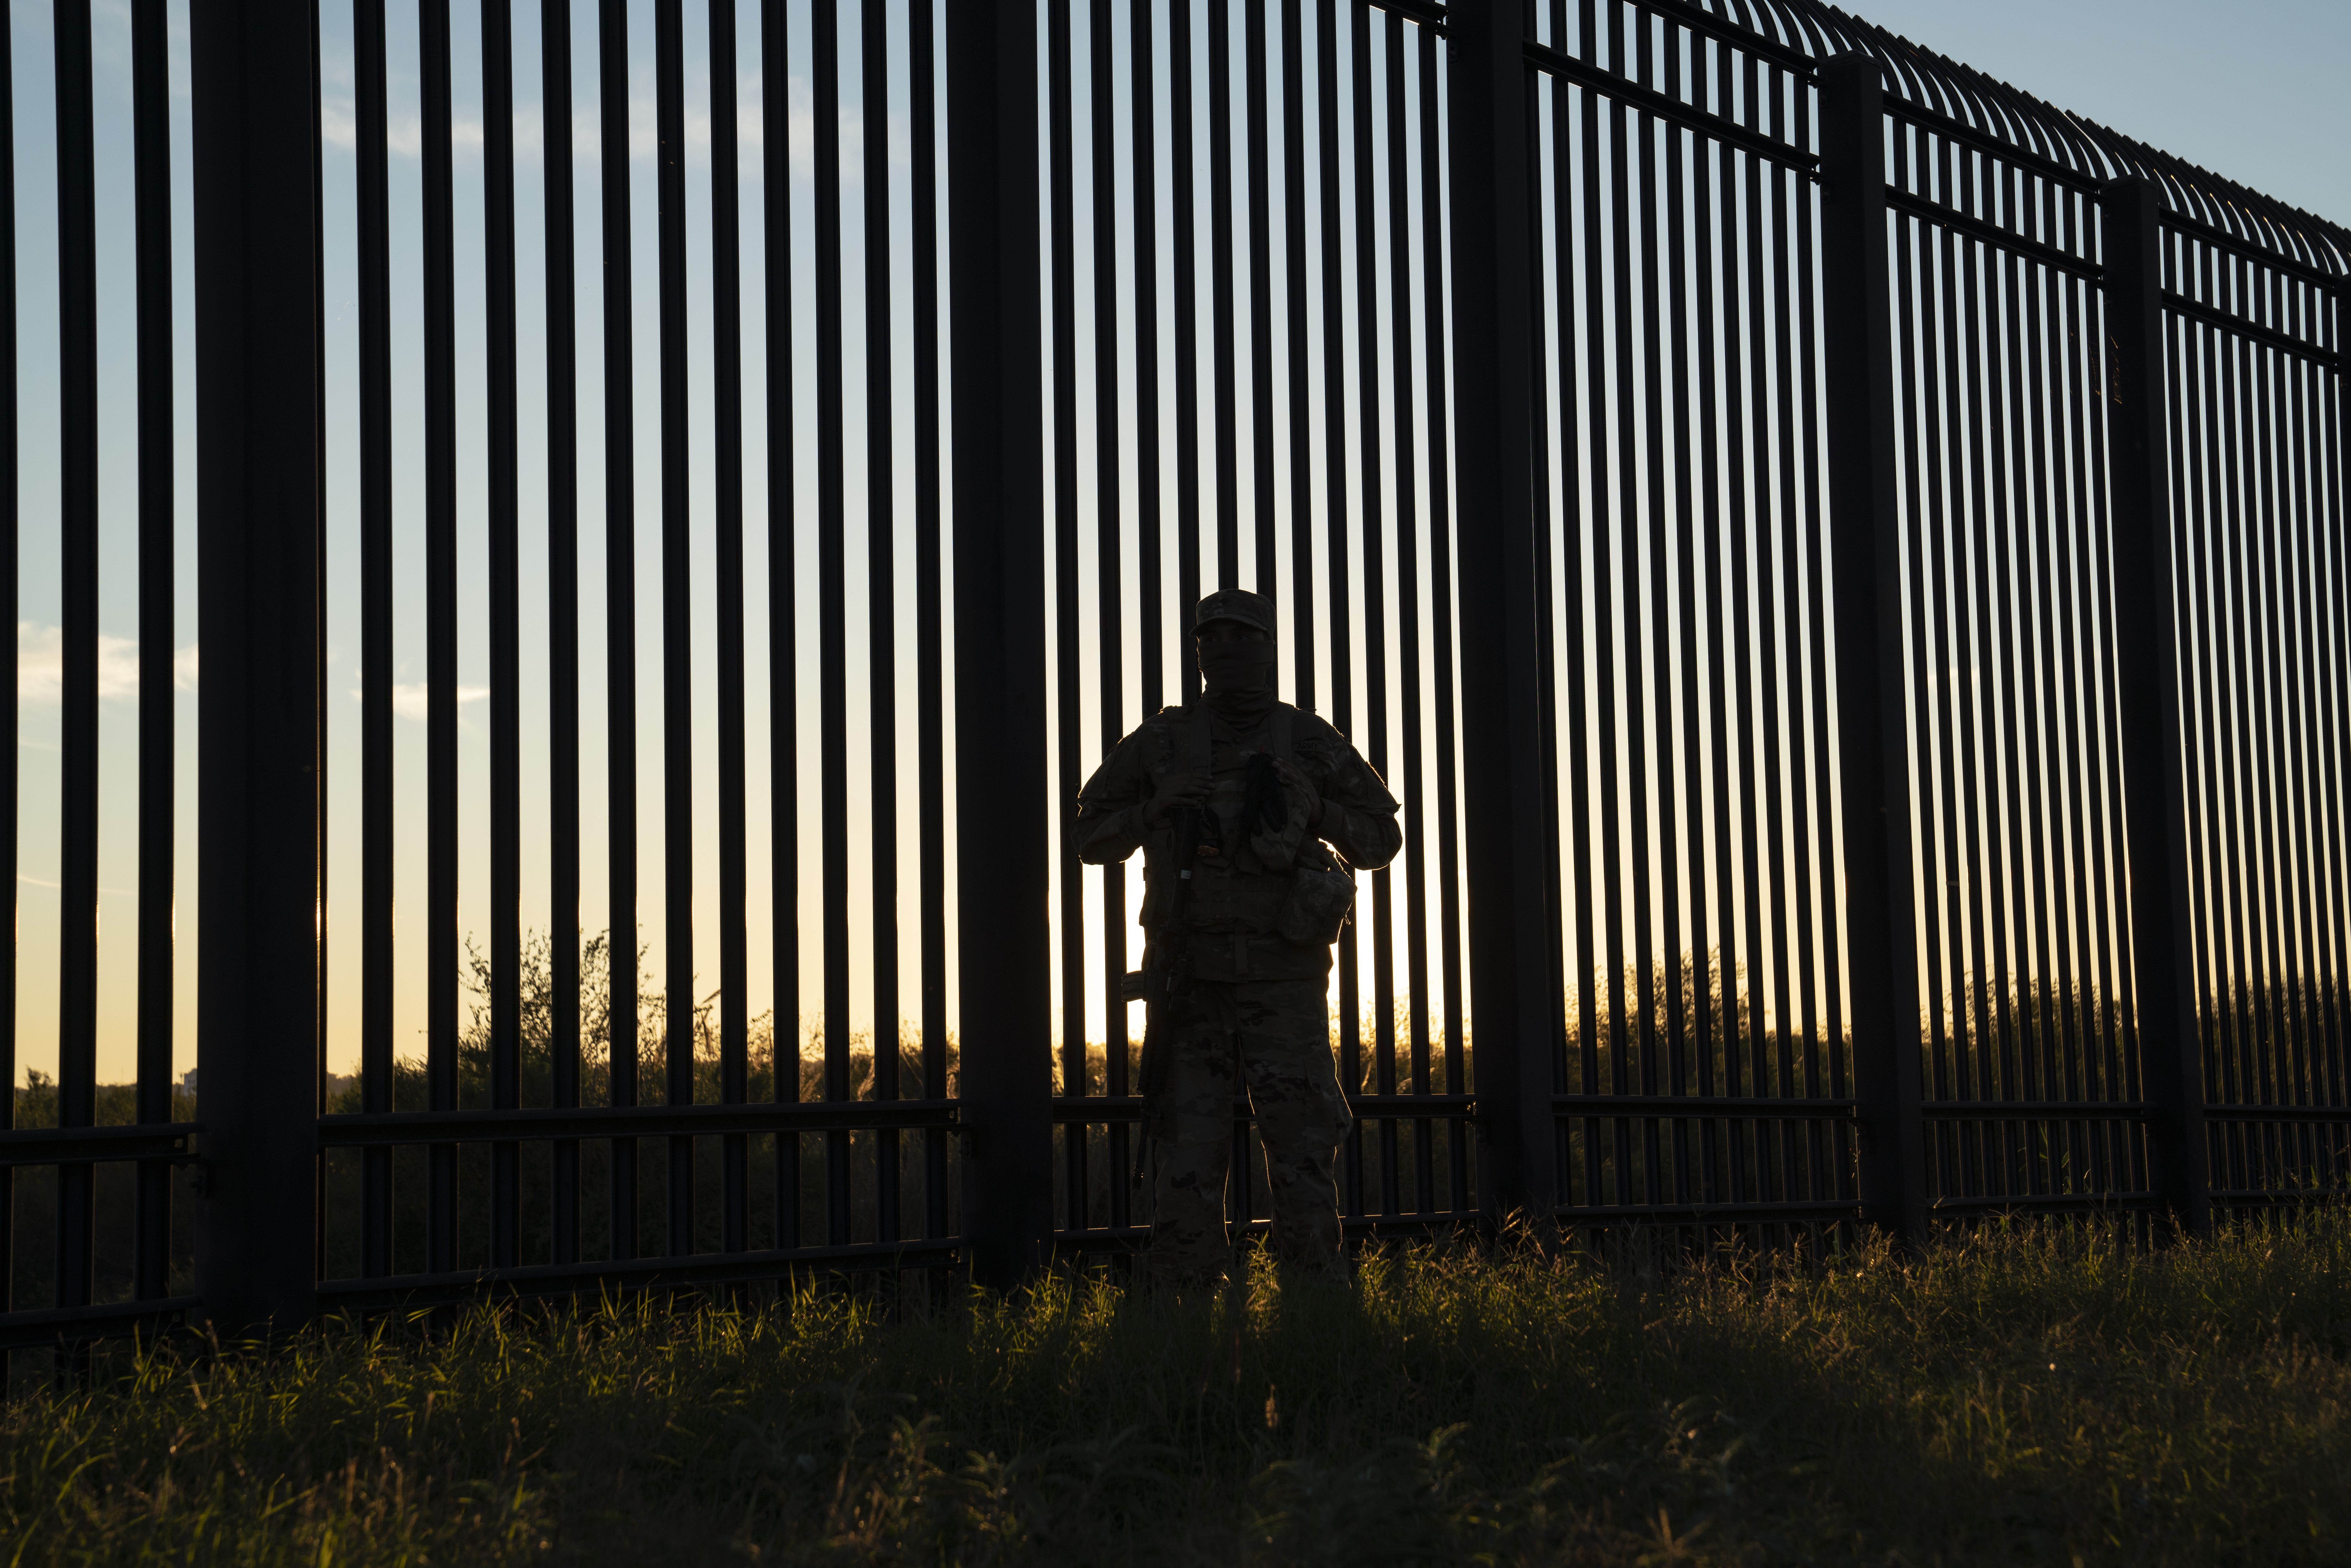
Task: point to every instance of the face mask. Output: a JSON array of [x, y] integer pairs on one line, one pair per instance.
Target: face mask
[[1237, 666]]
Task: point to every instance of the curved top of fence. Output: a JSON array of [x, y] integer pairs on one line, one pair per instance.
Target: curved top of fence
[[2054, 143]]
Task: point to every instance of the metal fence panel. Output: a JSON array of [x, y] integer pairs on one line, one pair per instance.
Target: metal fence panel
[[1245, 227], [1705, 388]]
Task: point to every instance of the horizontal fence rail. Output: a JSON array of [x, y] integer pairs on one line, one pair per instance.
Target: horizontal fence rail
[[1842, 562]]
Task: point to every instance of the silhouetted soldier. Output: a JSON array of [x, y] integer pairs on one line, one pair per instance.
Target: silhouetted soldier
[[1251, 797]]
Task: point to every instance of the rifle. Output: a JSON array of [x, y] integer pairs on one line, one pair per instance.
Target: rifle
[[1166, 973]]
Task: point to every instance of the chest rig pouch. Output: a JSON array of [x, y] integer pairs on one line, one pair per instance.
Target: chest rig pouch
[[1322, 894]]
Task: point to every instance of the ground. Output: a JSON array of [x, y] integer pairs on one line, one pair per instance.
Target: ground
[[2021, 1395]]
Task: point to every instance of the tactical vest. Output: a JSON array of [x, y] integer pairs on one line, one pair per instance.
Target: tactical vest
[[1236, 905]]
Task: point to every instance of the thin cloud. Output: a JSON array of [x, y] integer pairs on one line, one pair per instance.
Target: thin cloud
[[41, 665], [413, 700], [404, 133]]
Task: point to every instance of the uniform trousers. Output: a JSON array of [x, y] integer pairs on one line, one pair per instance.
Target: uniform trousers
[[1275, 1036]]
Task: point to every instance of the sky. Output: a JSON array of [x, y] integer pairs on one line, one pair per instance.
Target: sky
[[2249, 90]]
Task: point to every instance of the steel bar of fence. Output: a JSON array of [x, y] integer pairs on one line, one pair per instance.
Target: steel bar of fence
[[1366, 556], [2236, 544], [833, 722], [677, 606], [1410, 656], [1143, 199], [1740, 415], [1989, 464], [1955, 442], [2299, 383], [1872, 721], [881, 593], [2188, 453], [1392, 455], [1000, 716], [783, 653], [442, 936], [370, 149], [2070, 1032], [505, 585], [929, 696], [1610, 465], [2075, 555], [260, 814], [1950, 716], [1067, 635], [1721, 1171], [734, 850], [1570, 629], [1821, 920], [1512, 974], [2334, 438], [151, 203], [1111, 677], [619, 610], [1675, 579], [1784, 784], [2321, 958], [1349, 488], [1264, 508], [1345, 497], [1438, 426], [1222, 393], [1184, 246], [77, 1082], [1648, 689], [1151, 570], [563, 1023], [2145, 661], [316, 1079], [2254, 524]]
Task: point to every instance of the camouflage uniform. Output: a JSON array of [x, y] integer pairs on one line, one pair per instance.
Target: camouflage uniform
[[1258, 1009]]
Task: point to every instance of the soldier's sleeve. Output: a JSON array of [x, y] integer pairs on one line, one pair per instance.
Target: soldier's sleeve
[[1358, 815], [1109, 825]]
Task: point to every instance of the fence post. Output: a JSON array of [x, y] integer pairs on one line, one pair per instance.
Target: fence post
[[2147, 683], [1513, 974], [253, 71], [1005, 1067], [1872, 723]]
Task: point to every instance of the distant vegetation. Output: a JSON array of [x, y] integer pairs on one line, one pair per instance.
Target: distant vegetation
[[2055, 1035]]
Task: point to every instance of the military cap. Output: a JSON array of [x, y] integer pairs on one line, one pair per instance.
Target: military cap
[[1236, 605]]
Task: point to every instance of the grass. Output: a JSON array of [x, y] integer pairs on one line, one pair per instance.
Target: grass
[[2022, 1394]]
